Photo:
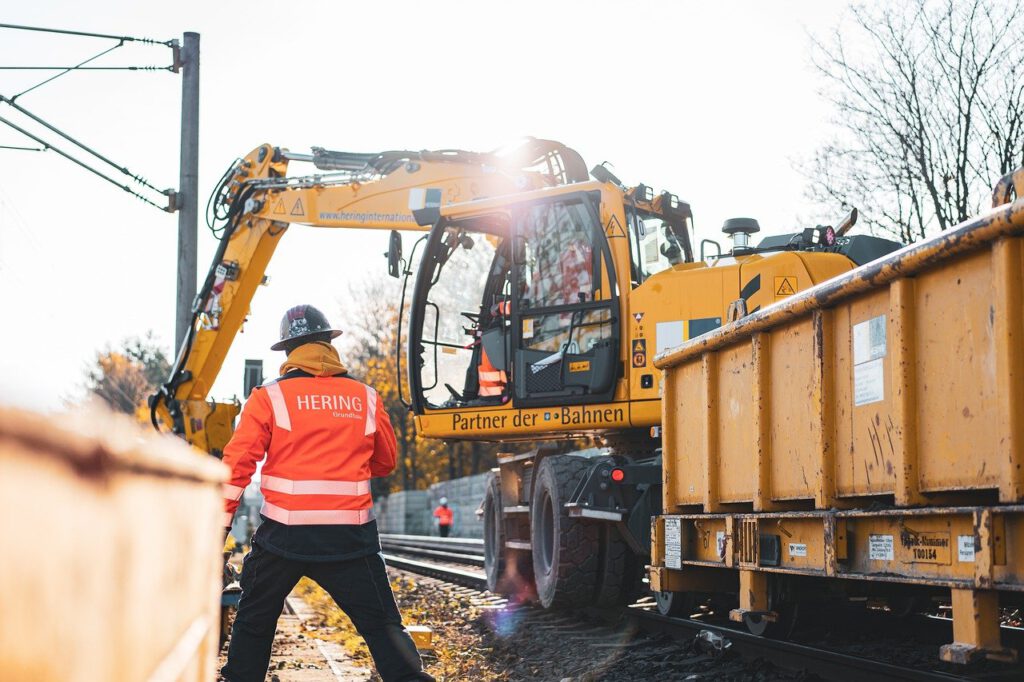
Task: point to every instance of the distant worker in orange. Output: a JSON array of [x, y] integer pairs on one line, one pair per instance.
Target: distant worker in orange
[[444, 517], [324, 435]]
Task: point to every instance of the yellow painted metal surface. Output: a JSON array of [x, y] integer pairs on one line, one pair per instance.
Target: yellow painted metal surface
[[903, 379], [954, 547], [680, 295], [682, 302], [112, 552], [901, 382]]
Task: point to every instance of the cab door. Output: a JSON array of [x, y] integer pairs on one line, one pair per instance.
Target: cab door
[[565, 327]]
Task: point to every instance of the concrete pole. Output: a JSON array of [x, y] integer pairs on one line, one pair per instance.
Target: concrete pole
[[188, 186]]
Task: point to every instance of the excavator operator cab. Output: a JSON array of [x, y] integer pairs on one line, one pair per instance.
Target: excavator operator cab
[[516, 305]]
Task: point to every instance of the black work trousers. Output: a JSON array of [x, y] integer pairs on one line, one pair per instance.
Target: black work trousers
[[359, 586]]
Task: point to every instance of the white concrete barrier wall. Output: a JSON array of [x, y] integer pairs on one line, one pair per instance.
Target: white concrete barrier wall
[[410, 512]]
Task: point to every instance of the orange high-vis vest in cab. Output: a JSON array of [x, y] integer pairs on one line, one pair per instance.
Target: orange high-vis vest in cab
[[492, 380], [324, 438]]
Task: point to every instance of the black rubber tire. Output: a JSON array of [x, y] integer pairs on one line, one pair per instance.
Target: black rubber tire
[[566, 551], [494, 536], [618, 581]]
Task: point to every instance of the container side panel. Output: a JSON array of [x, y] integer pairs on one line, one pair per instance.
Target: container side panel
[[956, 365], [684, 434], [865, 456], [794, 408], [736, 435]]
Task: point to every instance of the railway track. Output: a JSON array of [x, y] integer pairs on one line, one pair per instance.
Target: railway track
[[448, 559], [456, 560]]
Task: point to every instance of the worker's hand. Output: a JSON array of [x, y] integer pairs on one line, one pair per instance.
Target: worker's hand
[[231, 574]]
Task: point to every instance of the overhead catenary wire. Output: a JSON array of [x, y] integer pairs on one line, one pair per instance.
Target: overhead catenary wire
[[81, 163], [22, 149], [137, 178], [68, 70], [121, 40], [87, 68], [127, 39]]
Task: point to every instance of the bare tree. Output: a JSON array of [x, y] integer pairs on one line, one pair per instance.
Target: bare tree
[[929, 102]]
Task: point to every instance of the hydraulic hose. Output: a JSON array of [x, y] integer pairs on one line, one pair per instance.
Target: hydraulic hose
[[233, 217]]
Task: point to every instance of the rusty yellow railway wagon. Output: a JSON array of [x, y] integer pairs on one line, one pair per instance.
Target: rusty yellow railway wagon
[[111, 563], [864, 437]]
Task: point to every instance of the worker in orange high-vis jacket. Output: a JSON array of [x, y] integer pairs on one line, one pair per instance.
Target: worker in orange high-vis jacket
[[325, 435], [444, 517]]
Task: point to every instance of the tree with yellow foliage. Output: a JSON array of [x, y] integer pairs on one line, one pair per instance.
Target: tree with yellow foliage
[[123, 377], [369, 349]]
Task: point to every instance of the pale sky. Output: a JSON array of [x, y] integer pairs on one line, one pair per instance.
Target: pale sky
[[712, 101]]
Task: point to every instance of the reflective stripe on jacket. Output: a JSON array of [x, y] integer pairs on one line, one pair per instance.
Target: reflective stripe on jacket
[[491, 380], [324, 438]]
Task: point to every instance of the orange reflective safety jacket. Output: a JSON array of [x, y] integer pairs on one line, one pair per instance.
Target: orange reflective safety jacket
[[324, 438], [491, 380], [444, 516]]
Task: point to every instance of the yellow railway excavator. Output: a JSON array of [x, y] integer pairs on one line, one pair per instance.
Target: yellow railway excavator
[[541, 295]]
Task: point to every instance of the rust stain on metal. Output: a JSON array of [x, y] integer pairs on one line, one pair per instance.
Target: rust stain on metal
[[876, 444]]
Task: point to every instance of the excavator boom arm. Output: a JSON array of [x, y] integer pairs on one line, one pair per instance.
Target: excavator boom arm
[[258, 201]]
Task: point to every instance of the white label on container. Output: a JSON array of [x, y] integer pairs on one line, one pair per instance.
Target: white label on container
[[720, 544], [797, 549], [869, 340], [668, 335], [869, 382], [880, 547], [965, 548], [673, 544], [868, 369]]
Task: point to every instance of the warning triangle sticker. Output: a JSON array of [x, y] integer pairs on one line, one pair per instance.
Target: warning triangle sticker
[[785, 286], [297, 208], [638, 347], [279, 207], [638, 317], [614, 228]]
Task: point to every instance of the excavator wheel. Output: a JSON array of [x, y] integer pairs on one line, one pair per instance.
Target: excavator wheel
[[506, 575], [620, 575], [566, 550], [494, 536]]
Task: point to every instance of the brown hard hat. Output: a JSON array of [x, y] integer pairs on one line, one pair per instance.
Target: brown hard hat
[[301, 321]]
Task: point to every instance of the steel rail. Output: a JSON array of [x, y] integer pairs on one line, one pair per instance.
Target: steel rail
[[831, 665], [464, 551], [463, 545], [472, 579], [437, 555]]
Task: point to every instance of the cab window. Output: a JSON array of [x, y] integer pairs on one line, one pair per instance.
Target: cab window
[[564, 317]]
